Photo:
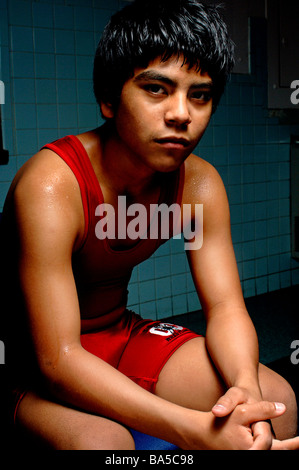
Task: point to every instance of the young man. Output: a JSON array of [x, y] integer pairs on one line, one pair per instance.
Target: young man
[[85, 369]]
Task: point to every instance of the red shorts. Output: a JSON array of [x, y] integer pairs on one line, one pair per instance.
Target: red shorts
[[138, 348]]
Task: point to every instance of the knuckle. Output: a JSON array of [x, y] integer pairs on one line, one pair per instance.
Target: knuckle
[[268, 407], [243, 410]]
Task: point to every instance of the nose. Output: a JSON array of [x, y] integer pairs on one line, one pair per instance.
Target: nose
[[177, 111]]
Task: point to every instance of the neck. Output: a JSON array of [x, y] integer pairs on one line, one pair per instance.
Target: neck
[[123, 170]]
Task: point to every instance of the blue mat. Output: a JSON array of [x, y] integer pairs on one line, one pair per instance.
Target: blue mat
[[145, 442]]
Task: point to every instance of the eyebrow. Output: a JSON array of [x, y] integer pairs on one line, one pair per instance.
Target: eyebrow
[[151, 75]]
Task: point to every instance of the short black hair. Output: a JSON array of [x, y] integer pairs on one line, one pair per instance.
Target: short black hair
[[147, 29]]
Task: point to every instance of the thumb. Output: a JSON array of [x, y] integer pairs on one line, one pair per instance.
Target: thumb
[[228, 402], [261, 411]]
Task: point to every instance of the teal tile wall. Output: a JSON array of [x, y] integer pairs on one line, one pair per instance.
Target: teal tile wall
[[47, 51], [46, 64]]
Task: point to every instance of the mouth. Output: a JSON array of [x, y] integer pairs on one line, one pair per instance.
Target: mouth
[[173, 142]]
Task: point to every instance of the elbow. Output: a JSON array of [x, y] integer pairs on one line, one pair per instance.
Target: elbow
[[54, 368]]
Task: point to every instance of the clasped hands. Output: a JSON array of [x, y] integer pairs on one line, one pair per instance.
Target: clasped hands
[[245, 423]]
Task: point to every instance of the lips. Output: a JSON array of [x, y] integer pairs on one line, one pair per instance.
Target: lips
[[173, 141]]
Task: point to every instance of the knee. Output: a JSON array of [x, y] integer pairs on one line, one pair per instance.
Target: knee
[[276, 388], [288, 397], [289, 428], [121, 439], [116, 438]]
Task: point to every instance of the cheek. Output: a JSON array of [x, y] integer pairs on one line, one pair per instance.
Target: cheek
[[128, 125], [203, 121], [130, 129], [132, 121], [137, 111]]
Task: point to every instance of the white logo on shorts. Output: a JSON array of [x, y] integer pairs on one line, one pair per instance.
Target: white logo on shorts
[[164, 329]]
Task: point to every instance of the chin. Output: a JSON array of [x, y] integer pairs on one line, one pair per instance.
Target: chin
[[168, 169], [169, 165]]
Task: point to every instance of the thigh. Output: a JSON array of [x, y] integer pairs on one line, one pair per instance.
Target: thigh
[[189, 377], [47, 424], [148, 349]]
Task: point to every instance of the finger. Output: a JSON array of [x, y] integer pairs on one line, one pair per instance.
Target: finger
[[261, 444], [288, 444], [228, 402], [262, 436], [260, 411]]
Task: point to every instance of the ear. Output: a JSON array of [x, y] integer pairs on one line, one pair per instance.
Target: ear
[[107, 110]]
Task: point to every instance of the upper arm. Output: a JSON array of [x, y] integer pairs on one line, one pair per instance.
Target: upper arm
[[48, 224], [214, 266]]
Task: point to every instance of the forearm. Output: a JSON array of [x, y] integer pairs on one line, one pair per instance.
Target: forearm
[[232, 343], [84, 381]]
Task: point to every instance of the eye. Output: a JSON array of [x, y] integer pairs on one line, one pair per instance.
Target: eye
[[155, 89], [202, 95]]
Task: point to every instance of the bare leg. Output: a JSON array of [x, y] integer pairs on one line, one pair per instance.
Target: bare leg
[[57, 427], [190, 379], [276, 388]]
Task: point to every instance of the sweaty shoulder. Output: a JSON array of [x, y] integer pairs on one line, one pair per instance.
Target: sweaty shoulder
[[203, 183], [46, 193]]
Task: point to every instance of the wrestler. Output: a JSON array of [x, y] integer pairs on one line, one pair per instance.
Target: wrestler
[[85, 369]]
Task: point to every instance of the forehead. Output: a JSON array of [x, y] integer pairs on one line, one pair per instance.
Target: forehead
[[174, 68]]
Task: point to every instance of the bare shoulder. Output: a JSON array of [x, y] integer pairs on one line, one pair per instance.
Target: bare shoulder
[[43, 169], [203, 183], [45, 193]]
